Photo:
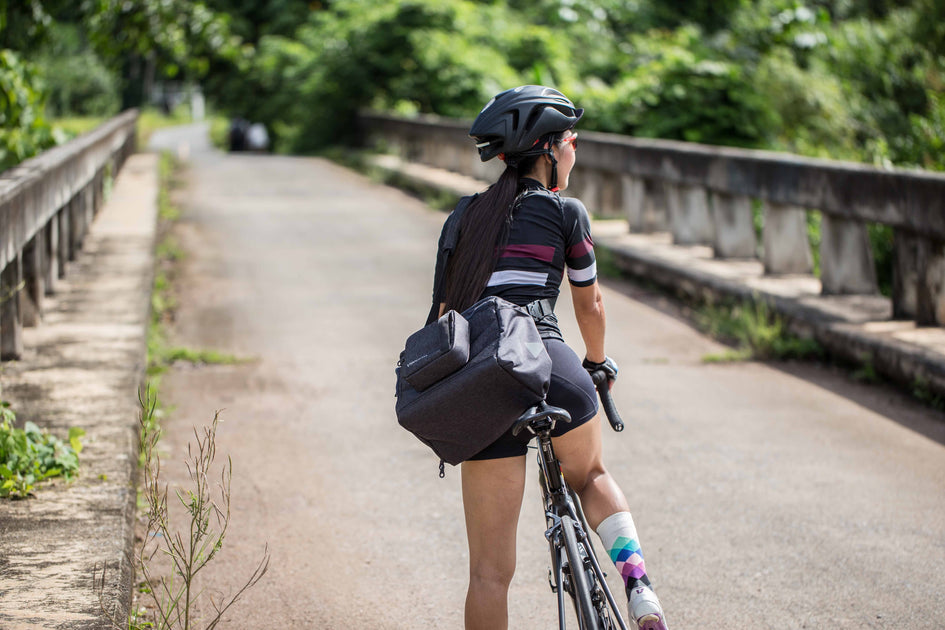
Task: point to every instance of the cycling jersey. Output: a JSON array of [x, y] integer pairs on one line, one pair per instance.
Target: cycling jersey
[[549, 233]]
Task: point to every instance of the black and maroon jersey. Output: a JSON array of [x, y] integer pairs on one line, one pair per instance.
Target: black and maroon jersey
[[549, 234]]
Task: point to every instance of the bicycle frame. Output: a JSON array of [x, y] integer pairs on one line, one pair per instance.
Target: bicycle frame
[[560, 501]]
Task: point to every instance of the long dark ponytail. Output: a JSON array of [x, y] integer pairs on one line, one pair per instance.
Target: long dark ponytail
[[483, 233]]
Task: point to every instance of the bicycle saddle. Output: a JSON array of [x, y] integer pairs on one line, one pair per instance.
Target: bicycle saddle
[[539, 418]]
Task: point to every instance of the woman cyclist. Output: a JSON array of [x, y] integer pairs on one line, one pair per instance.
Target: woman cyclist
[[516, 239]]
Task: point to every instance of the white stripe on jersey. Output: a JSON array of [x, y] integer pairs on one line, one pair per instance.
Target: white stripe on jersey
[[583, 275], [513, 276]]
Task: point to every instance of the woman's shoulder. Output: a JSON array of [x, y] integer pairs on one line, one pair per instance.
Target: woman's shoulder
[[573, 205], [539, 198]]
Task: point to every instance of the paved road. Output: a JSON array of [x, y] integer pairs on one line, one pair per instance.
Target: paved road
[[767, 496]]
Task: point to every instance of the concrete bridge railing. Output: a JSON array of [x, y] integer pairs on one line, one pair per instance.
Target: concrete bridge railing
[[46, 206], [705, 194]]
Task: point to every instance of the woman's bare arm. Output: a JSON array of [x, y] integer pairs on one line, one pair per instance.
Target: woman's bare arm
[[589, 312]]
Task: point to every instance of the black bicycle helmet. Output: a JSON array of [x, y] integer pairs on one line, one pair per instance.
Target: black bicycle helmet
[[515, 120]]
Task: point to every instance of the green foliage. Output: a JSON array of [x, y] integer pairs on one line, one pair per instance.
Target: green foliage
[[755, 330], [79, 83], [24, 131], [922, 391], [373, 54], [72, 126], [31, 455], [865, 372], [183, 36], [23, 24], [675, 87], [828, 78]]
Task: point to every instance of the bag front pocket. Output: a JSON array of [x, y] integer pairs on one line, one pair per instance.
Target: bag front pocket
[[436, 351]]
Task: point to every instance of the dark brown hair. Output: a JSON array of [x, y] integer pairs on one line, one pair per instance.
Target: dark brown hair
[[483, 233]]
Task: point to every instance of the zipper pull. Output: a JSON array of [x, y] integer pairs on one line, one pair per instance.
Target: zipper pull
[[442, 469]]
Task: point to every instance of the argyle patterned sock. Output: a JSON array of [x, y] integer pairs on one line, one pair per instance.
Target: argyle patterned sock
[[619, 536]]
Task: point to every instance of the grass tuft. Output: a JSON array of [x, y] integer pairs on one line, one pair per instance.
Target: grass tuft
[[755, 331]]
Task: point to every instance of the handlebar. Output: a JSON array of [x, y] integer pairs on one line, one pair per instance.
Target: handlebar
[[606, 400]]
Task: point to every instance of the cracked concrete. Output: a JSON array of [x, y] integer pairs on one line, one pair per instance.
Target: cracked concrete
[[82, 366]]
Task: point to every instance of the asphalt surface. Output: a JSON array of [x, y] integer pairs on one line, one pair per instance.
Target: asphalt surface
[[766, 495]]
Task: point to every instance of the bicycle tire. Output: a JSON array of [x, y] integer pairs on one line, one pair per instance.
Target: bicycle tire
[[581, 595]]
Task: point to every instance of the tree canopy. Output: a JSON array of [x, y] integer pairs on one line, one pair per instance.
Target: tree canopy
[[852, 79]]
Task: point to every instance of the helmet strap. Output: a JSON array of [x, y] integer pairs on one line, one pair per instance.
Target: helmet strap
[[553, 183]]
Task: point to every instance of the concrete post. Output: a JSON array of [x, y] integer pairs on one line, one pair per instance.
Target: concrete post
[[930, 298], [471, 164], [905, 274], [34, 278], [98, 200], [846, 260], [787, 247], [655, 213], [610, 189], [589, 190], [734, 226], [455, 158], [689, 217], [11, 325], [96, 196], [428, 150], [51, 269], [76, 229], [632, 193], [64, 220]]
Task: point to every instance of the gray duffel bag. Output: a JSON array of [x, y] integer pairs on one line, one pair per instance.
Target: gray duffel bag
[[463, 380]]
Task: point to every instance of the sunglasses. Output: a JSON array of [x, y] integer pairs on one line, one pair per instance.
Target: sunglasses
[[572, 139]]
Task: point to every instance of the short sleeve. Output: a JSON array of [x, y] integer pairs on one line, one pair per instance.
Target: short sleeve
[[579, 246]]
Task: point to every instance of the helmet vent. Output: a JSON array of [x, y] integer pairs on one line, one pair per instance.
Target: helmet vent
[[532, 119]]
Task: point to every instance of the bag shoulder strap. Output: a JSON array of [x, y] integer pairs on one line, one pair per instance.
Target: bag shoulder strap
[[448, 243]]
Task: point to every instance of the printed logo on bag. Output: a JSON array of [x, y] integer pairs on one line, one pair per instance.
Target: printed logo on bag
[[534, 348]]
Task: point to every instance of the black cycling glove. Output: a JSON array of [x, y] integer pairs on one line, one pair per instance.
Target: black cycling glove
[[609, 366]]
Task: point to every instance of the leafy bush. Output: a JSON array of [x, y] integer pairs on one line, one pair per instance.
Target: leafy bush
[[363, 54], [30, 455], [680, 89], [886, 79], [756, 331], [23, 130], [79, 84], [813, 111]]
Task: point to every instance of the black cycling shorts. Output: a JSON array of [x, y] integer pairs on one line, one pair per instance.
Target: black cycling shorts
[[571, 389]]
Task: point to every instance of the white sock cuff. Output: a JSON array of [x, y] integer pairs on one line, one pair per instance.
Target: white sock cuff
[[619, 524]]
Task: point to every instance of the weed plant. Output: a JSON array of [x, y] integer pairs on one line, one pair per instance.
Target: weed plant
[[31, 455], [171, 557], [756, 332], [922, 391]]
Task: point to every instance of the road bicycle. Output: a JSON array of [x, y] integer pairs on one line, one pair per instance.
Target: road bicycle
[[574, 570]]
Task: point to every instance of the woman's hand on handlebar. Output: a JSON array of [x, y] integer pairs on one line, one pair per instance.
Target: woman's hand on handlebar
[[608, 366], [606, 371]]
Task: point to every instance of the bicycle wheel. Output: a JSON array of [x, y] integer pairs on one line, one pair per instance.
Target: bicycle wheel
[[581, 594]]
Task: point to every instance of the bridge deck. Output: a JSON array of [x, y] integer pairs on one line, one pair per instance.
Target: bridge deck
[[780, 495], [784, 495]]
